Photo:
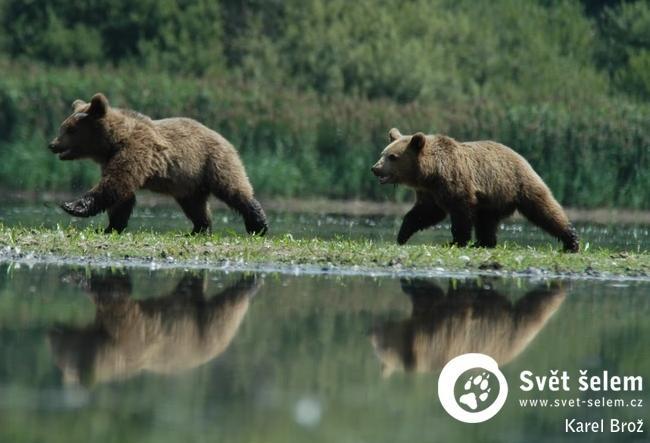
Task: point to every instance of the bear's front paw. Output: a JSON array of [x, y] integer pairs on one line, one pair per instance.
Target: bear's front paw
[[83, 207]]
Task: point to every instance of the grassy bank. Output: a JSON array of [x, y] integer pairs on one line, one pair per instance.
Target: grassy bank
[[179, 249]]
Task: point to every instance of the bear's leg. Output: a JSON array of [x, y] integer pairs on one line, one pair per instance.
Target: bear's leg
[[120, 179], [425, 295], [461, 227], [421, 216], [227, 180], [246, 287], [541, 209], [531, 312], [196, 209], [249, 208], [485, 227], [119, 214]]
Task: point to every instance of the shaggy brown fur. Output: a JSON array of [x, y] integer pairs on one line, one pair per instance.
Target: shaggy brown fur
[[175, 156], [165, 334], [469, 318], [476, 183]]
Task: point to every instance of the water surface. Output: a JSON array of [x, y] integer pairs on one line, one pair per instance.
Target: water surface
[[114, 355]]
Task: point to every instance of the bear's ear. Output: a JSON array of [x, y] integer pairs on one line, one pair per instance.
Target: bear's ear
[[98, 105], [394, 134], [418, 141], [78, 104]]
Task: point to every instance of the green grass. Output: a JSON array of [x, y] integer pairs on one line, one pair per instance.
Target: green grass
[[179, 249]]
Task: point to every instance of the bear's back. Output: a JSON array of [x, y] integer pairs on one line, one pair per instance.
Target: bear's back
[[495, 171]]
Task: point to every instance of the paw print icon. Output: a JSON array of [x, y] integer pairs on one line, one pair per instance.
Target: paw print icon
[[476, 391], [471, 388]]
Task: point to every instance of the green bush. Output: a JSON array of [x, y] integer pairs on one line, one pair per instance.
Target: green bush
[[300, 144], [419, 50], [173, 34], [307, 89], [625, 47], [441, 50]]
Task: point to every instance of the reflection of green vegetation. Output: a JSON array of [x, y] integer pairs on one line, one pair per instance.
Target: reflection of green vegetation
[[178, 248], [308, 89], [303, 337]]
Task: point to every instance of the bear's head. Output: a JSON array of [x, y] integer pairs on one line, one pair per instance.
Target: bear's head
[[398, 163], [391, 343], [83, 133]]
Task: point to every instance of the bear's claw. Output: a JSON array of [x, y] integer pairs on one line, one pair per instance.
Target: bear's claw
[[82, 207]]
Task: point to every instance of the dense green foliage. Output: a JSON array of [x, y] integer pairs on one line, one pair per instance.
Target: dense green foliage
[[307, 90]]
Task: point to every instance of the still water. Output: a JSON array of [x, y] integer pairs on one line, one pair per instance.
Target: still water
[[115, 355]]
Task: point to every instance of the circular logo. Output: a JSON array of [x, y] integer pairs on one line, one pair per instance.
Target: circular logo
[[471, 388]]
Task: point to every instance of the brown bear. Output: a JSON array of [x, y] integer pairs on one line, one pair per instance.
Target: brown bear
[[470, 317], [477, 183], [163, 335], [175, 156]]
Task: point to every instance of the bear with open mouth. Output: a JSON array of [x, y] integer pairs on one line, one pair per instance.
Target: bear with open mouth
[[477, 184], [175, 156]]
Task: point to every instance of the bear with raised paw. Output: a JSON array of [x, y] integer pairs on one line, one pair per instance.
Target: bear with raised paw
[[476, 183], [175, 156]]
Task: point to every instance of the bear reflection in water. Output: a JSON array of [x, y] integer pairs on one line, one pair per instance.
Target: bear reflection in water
[[469, 318], [165, 334]]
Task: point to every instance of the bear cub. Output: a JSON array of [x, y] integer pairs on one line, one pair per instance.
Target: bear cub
[[175, 156], [477, 183]]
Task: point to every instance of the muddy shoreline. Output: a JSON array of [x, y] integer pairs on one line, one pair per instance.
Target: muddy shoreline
[[30, 259]]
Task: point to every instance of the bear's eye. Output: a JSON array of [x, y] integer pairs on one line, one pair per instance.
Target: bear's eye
[[71, 129], [392, 157]]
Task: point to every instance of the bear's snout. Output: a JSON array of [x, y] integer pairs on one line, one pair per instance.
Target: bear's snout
[[55, 146], [381, 172], [64, 152]]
